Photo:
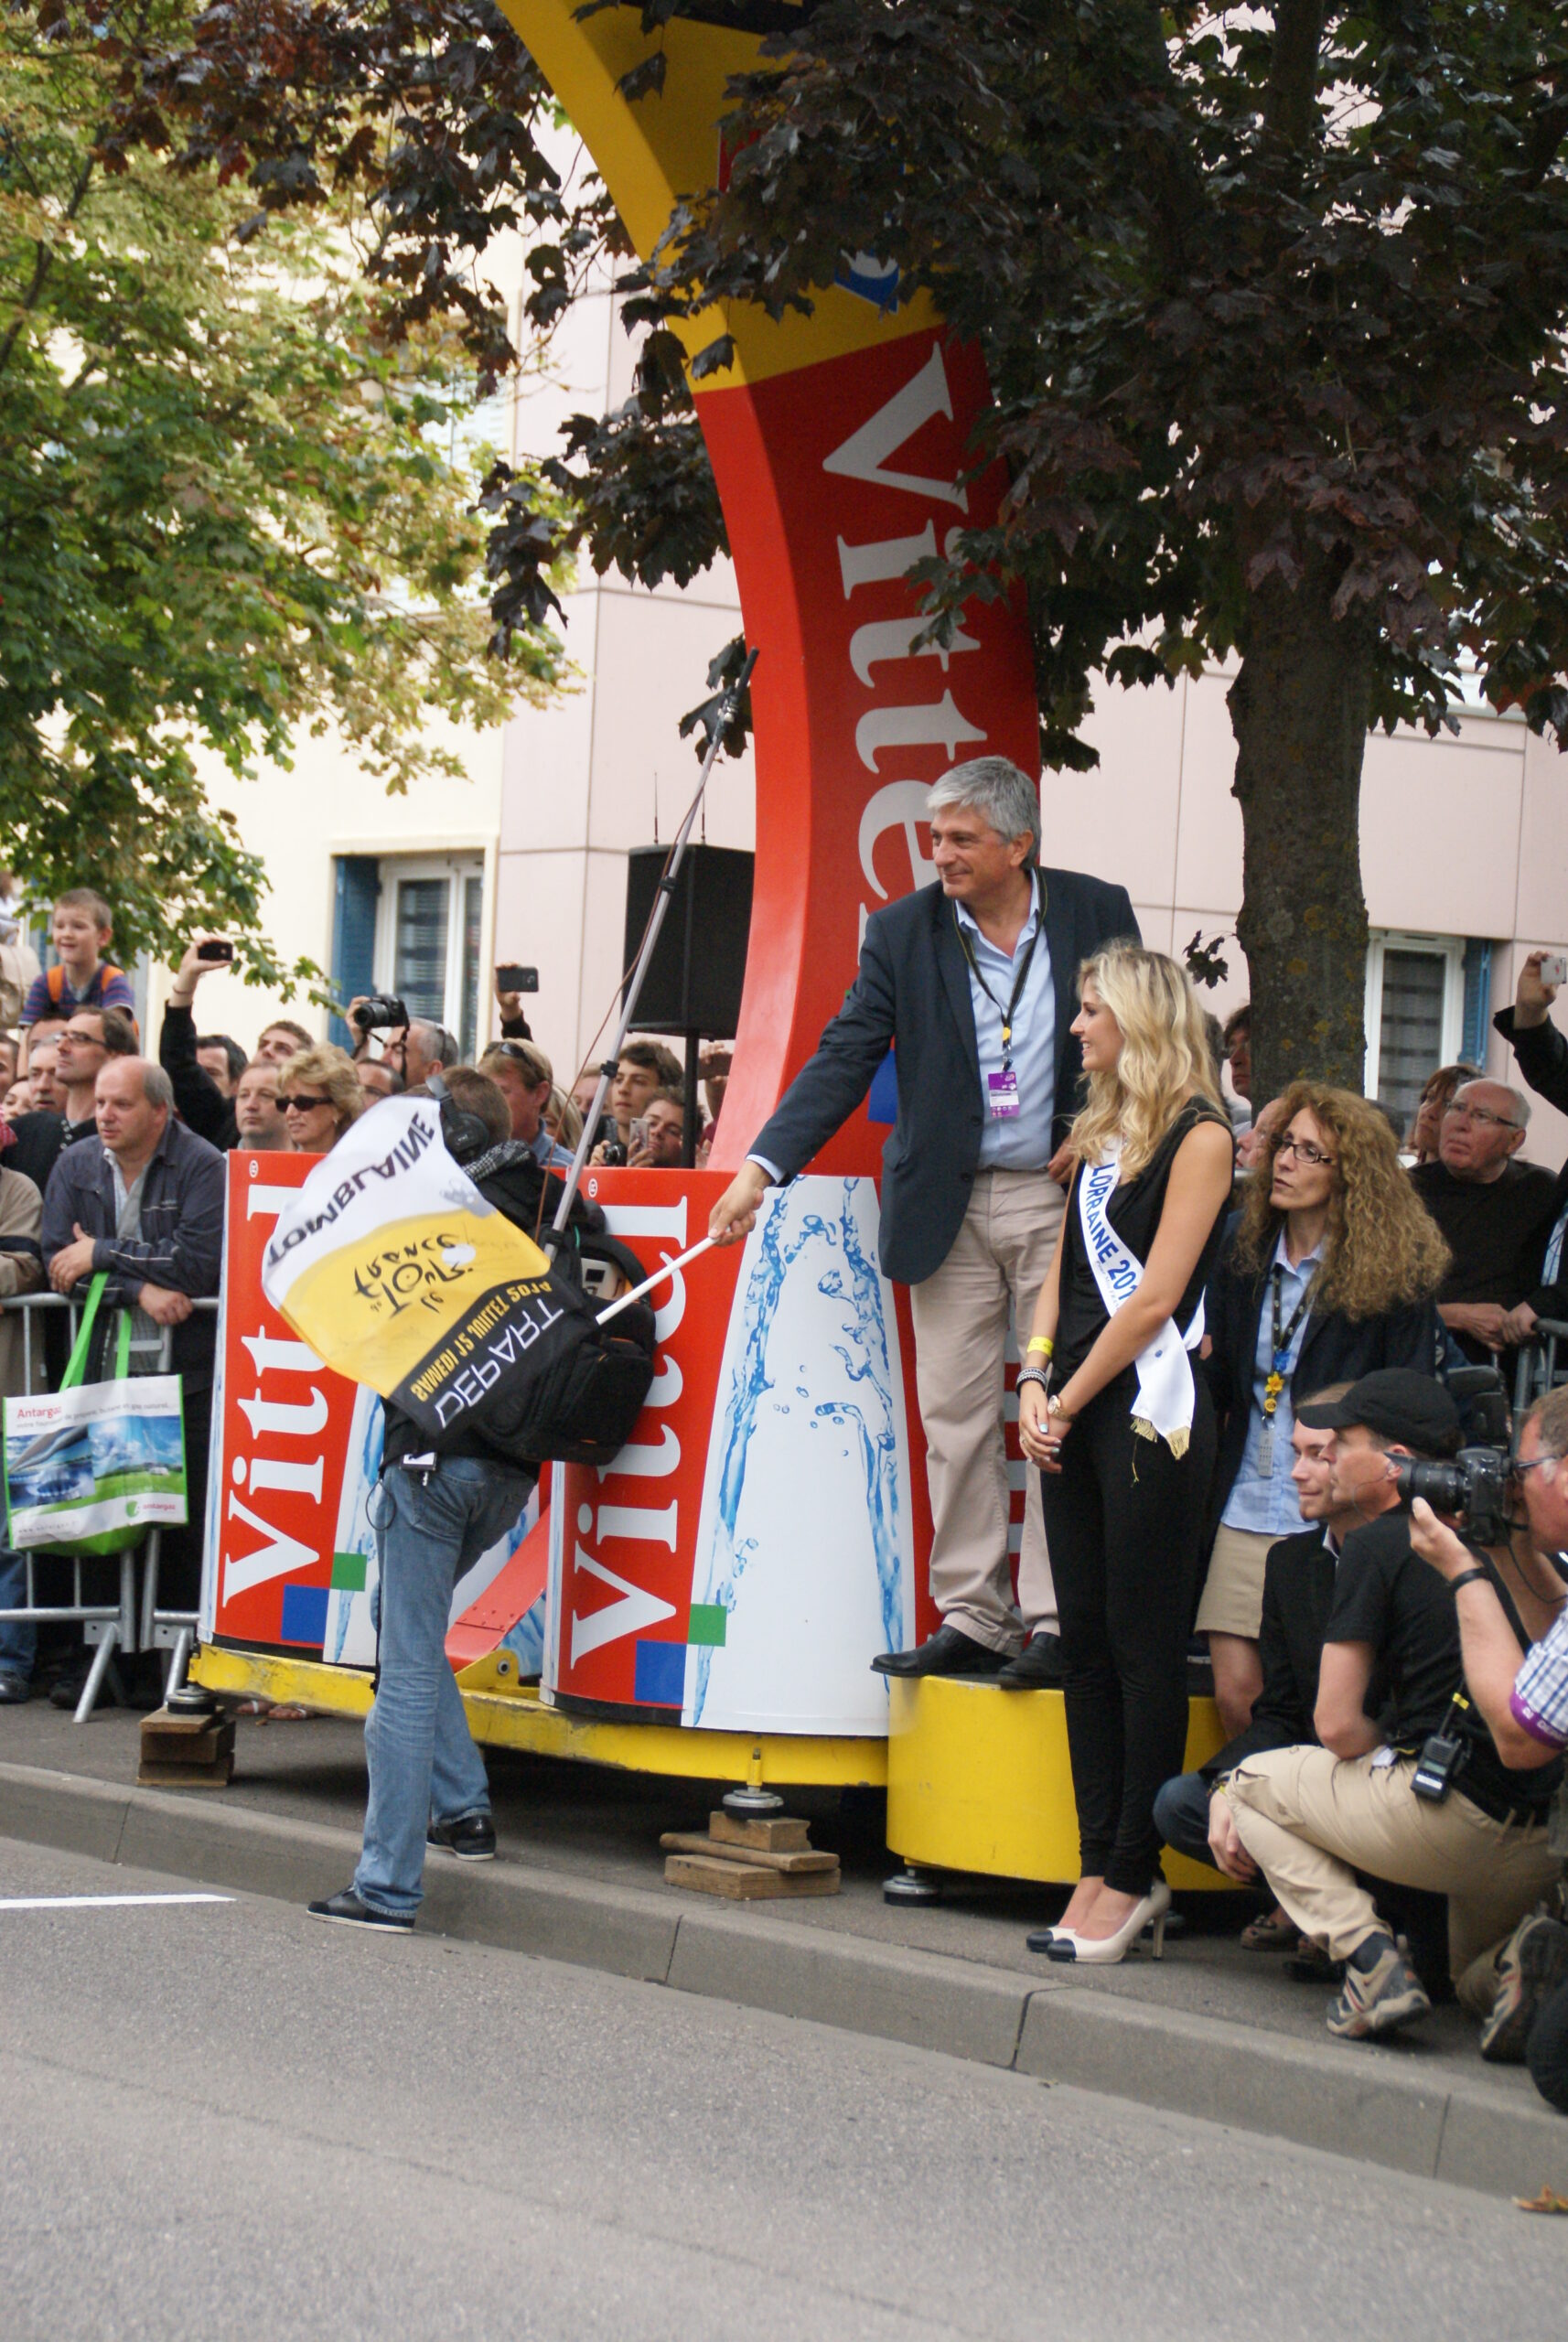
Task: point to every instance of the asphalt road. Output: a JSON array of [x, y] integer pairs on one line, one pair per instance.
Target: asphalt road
[[218, 2119]]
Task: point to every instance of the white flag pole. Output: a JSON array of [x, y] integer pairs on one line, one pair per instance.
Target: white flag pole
[[624, 1301]]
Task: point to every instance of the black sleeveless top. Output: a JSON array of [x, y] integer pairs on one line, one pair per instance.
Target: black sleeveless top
[[1133, 1211]]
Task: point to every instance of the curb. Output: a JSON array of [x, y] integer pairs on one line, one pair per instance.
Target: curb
[[1372, 2105]]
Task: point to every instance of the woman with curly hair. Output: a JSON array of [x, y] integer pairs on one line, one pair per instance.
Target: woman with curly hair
[[1122, 1429], [318, 1096], [1329, 1274]]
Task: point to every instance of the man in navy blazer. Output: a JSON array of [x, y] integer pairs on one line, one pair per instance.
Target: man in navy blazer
[[973, 982]]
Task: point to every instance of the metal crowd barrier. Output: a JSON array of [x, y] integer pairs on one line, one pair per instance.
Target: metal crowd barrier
[[1538, 1370], [126, 1623]]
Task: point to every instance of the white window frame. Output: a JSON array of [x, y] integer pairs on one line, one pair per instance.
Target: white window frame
[[1447, 947], [456, 868]]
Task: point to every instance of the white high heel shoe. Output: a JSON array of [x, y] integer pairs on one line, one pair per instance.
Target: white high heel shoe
[[1105, 1951]]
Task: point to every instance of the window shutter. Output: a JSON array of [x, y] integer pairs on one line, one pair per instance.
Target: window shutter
[[358, 883]]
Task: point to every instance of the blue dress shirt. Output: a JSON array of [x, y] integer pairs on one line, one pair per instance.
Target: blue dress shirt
[[1264, 1501], [1023, 1142]]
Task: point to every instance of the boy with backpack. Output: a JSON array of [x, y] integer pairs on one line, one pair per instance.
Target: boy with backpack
[[79, 931]]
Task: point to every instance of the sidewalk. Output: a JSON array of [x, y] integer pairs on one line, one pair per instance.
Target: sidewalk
[[1211, 2031]]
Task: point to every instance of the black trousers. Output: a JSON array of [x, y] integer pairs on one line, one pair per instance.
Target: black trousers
[[1124, 1524]]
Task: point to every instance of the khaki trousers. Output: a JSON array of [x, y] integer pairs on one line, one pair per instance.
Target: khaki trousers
[[997, 1264], [1309, 1819]]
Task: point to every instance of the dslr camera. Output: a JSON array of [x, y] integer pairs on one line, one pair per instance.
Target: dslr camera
[[1473, 1485], [384, 1009]]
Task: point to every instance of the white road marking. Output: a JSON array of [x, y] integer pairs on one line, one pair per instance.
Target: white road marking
[[97, 1902]]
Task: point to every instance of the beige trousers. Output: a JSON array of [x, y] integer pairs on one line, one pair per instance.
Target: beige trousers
[[997, 1264], [1310, 1820]]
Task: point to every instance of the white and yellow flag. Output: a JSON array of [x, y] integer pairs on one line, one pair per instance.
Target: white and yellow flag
[[399, 1273]]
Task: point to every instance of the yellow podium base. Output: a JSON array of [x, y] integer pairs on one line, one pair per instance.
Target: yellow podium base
[[978, 1779], [507, 1715]]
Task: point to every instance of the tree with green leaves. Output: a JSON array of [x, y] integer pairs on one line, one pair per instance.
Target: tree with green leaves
[[1273, 303], [228, 513]]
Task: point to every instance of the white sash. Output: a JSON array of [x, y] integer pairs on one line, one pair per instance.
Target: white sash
[[1163, 1408]]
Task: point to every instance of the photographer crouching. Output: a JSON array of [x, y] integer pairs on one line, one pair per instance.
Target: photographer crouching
[[1513, 1633], [1410, 1783]]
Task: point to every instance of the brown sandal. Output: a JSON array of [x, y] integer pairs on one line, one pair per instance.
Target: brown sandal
[[1277, 1931]]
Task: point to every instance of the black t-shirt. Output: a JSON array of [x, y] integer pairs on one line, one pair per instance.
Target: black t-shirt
[[1495, 1230], [1134, 1212], [1386, 1595]]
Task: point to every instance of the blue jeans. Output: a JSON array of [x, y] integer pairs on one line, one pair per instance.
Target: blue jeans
[[422, 1757], [18, 1644], [1181, 1816]]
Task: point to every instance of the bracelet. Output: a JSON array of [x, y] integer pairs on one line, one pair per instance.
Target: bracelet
[[1470, 1578], [1044, 1344], [1034, 1374]]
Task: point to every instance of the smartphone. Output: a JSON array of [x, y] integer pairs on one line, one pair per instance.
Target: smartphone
[[217, 950], [1555, 968], [638, 1132], [512, 978]]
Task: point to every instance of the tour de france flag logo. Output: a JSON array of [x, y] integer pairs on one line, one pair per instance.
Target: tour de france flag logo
[[398, 1274]]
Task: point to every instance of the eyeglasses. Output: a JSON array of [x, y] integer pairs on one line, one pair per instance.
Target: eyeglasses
[[82, 1040], [302, 1100], [1303, 1151], [1482, 1114], [1545, 1464]]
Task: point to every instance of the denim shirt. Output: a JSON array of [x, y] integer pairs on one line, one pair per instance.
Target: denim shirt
[[1265, 1503]]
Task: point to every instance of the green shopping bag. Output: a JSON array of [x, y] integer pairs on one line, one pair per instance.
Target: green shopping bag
[[92, 1467]]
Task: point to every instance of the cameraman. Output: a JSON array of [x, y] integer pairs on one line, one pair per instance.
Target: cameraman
[[1312, 1818], [1524, 1699]]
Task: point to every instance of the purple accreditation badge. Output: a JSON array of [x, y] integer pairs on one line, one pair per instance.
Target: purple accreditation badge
[[1004, 1090]]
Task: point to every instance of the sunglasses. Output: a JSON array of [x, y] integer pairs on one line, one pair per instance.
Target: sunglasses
[[302, 1100]]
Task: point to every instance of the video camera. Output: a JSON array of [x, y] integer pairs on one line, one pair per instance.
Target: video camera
[[1473, 1485]]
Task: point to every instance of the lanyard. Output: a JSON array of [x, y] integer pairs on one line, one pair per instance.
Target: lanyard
[[1019, 981], [1276, 1380]]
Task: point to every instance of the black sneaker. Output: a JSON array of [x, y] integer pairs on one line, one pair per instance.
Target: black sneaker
[[472, 1838], [1381, 1992], [346, 1910], [1533, 1964], [15, 1690]]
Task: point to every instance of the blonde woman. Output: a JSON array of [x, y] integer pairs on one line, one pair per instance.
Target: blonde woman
[[1122, 1429], [562, 1118], [319, 1095], [1329, 1273]]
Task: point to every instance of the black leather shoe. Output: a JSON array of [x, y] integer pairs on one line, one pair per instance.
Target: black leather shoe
[[949, 1651], [472, 1839], [1035, 1668], [346, 1910], [15, 1690]]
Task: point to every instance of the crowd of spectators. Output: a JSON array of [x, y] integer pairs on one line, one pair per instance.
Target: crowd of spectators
[[111, 1165]]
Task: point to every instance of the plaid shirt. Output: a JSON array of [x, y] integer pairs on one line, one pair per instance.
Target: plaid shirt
[[1539, 1700]]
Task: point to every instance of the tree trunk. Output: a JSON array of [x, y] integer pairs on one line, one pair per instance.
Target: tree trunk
[[1299, 709]]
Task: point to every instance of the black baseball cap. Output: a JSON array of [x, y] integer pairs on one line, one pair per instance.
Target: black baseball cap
[[1413, 1410]]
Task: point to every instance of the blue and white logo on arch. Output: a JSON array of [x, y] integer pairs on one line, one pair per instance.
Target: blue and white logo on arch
[[874, 280]]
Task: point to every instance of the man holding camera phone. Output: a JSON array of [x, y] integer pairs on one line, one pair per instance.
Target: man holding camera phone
[[1409, 1783]]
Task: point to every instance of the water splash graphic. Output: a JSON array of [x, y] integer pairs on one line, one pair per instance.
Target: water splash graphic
[[849, 1277]]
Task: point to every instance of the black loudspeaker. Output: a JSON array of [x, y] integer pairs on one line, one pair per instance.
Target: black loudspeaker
[[693, 981]]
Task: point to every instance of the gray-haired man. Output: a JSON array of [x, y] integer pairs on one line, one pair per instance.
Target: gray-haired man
[[143, 1202], [972, 982]]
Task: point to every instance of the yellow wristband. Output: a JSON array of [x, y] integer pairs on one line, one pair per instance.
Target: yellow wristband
[[1044, 1344]]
